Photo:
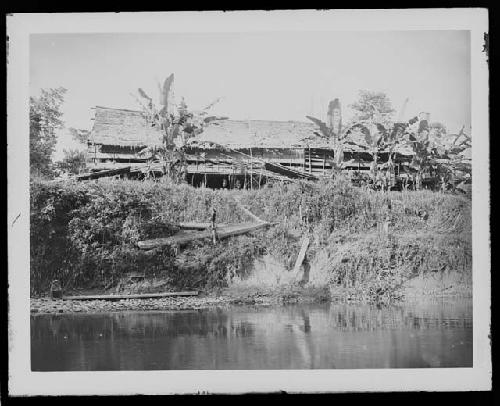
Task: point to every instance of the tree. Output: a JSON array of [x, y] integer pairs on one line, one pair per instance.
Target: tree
[[74, 161], [45, 118], [374, 106], [81, 136]]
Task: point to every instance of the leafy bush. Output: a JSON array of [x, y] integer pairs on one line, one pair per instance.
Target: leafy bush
[[85, 234], [104, 233], [205, 265], [51, 207]]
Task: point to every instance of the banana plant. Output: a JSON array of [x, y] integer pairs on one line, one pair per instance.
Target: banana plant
[[377, 135], [374, 134], [444, 162], [337, 141], [376, 139], [459, 168], [175, 125]]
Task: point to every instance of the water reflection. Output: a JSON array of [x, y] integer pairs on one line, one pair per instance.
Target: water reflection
[[290, 337]]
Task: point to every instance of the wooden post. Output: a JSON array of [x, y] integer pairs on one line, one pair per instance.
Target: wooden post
[[214, 232], [251, 169], [310, 167], [301, 256]]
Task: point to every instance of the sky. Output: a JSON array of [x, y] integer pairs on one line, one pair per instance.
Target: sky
[[259, 75]]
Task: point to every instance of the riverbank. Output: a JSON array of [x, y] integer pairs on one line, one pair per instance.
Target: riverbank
[[55, 306], [430, 287], [221, 298], [362, 246]]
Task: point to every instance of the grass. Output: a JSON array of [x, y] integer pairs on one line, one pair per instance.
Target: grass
[[85, 235]]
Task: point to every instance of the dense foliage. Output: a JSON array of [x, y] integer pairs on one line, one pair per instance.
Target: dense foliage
[[370, 103], [45, 119], [428, 232], [439, 159], [85, 233], [74, 162]]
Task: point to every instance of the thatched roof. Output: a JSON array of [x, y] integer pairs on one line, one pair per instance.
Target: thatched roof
[[130, 128], [261, 133], [123, 127]]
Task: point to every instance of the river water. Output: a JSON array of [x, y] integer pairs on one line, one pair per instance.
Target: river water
[[437, 334]]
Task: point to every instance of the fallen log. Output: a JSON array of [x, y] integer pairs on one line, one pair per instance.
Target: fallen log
[[183, 238], [132, 296]]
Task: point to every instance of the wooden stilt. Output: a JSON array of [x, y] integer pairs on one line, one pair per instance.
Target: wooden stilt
[[251, 169], [310, 166]]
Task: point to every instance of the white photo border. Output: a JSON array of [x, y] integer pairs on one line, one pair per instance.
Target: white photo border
[[24, 382]]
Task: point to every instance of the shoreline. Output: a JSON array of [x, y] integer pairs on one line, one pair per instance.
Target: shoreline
[[46, 305], [240, 297]]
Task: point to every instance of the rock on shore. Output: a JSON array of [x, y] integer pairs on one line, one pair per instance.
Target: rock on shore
[[45, 305], [222, 299]]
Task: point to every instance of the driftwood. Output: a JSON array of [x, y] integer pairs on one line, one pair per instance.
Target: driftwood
[[132, 296]]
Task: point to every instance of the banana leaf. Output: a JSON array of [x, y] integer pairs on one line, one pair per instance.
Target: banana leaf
[[167, 86], [322, 126]]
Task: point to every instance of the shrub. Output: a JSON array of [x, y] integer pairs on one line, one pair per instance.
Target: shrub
[[51, 207], [85, 234], [205, 265]]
